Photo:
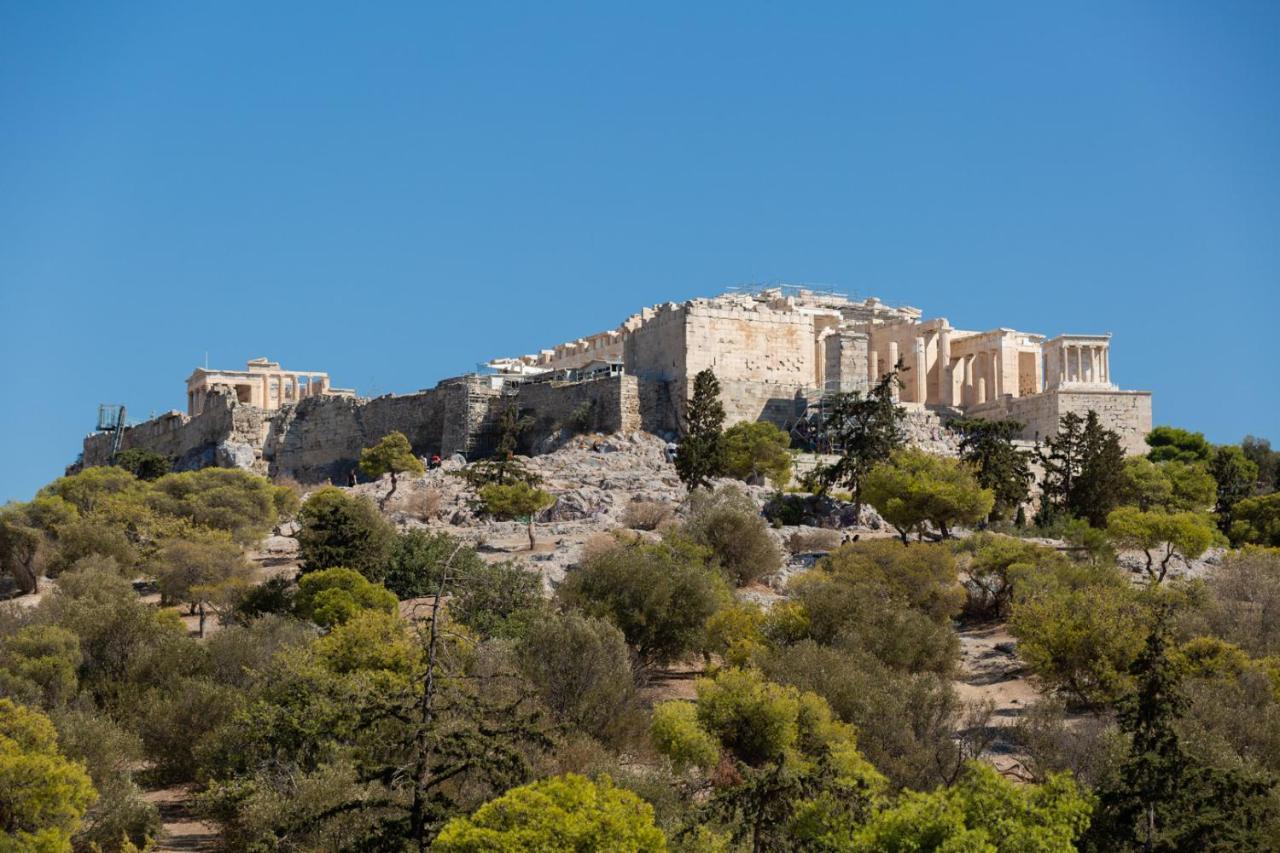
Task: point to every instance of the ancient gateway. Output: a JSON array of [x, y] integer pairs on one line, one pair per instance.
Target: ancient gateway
[[776, 352]]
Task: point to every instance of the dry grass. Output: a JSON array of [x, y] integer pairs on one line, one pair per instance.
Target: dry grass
[[422, 504], [647, 515], [813, 540]]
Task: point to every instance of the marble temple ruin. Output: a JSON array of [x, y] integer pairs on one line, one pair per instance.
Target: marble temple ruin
[[776, 351]]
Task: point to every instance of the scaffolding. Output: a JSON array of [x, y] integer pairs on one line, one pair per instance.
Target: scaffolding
[[111, 419]]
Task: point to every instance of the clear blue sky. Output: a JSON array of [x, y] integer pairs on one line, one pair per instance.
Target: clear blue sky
[[394, 192]]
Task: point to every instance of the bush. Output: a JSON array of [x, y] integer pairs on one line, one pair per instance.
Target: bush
[[85, 537], [582, 670], [564, 813], [418, 558], [423, 504], [143, 464], [496, 599], [38, 665], [727, 523], [338, 529], [44, 795], [906, 722], [659, 595], [1243, 602], [647, 515], [332, 596], [994, 564], [242, 504]]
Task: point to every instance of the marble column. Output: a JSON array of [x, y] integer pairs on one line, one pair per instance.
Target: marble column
[[921, 371], [945, 388]]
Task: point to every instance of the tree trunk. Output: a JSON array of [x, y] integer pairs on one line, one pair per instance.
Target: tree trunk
[[531, 543], [201, 633]]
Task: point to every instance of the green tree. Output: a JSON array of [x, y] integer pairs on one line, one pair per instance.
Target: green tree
[[1083, 470], [982, 812], [494, 599], [866, 430], [582, 670], [503, 467], [1162, 798], [513, 501], [21, 549], [201, 570], [144, 464], [43, 796], [756, 451], [995, 566], [729, 525], [701, 454], [791, 758], [391, 455], [331, 597], [417, 557], [1079, 628], [1168, 443], [338, 529], [1185, 534], [1257, 521], [565, 813], [988, 447], [245, 505], [1259, 452], [915, 487], [1236, 476], [39, 663], [659, 595]]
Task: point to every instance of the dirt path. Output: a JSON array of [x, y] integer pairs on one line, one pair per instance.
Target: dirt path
[[991, 671], [182, 829]]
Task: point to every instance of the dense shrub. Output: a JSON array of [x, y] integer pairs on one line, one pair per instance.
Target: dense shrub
[[727, 523], [332, 596], [338, 529]]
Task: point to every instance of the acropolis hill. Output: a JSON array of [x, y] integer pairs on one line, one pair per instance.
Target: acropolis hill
[[775, 352]]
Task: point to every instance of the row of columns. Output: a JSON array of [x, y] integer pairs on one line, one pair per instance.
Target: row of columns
[[1097, 369]]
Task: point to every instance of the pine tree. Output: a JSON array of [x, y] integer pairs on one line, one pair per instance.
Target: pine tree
[[998, 465], [1162, 799], [1083, 471], [701, 454], [867, 429]]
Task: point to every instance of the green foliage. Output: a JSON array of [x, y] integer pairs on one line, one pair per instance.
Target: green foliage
[[915, 487], [790, 756], [39, 663], [144, 464], [701, 454], [372, 640], [1079, 628], [90, 537], [565, 813], [1257, 521], [392, 455], [43, 796], [209, 568], [1243, 602], [93, 488], [21, 548], [333, 596], [419, 557], [1171, 486], [513, 501], [659, 595], [496, 599], [1236, 477], [757, 450], [242, 504], [727, 523], [1187, 534], [736, 634], [895, 603], [1083, 471], [504, 466], [987, 447], [1172, 443], [1162, 798], [984, 813], [582, 670], [866, 429], [1259, 452], [994, 567], [906, 722], [338, 529]]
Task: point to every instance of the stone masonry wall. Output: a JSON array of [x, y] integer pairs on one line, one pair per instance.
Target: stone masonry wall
[[1126, 412]]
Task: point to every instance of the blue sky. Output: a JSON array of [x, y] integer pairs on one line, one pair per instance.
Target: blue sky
[[393, 193]]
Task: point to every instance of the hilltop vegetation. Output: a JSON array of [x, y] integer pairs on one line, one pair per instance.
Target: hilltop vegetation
[[689, 685]]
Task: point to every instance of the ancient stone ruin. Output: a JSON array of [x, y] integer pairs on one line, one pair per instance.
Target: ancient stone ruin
[[776, 352]]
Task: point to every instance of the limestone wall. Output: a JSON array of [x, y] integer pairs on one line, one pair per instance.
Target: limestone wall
[[559, 405], [1126, 412]]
